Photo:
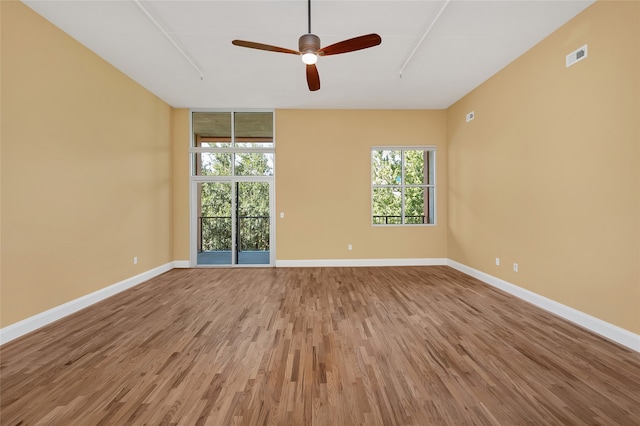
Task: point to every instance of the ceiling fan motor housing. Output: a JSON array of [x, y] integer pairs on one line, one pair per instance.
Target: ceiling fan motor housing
[[309, 43]]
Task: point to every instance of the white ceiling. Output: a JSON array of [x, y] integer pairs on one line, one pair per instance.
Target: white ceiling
[[471, 41]]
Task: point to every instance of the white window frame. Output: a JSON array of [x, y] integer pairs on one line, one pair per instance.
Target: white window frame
[[194, 179], [403, 185]]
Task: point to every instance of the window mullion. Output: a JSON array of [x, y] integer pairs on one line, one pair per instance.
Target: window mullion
[[239, 149], [402, 188], [233, 143]]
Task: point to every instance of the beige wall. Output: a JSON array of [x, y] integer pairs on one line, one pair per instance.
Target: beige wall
[[86, 170], [0, 165], [547, 175], [180, 161], [323, 184]]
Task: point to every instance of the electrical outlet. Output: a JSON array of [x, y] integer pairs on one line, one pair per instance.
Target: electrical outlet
[[281, 215], [515, 267], [349, 247], [497, 261], [135, 260]]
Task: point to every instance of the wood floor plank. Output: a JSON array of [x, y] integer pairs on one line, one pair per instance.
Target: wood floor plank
[[316, 346]]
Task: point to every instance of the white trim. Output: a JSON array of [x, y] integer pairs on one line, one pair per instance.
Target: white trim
[[359, 262], [37, 321], [424, 35], [598, 326], [168, 37], [231, 150]]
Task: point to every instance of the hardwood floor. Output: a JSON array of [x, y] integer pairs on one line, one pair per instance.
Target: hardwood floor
[[317, 346]]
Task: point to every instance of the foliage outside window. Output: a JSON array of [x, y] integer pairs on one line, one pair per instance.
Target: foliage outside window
[[232, 143], [227, 149], [403, 185]]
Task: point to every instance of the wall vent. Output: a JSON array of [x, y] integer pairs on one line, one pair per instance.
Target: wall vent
[[577, 55], [471, 116]]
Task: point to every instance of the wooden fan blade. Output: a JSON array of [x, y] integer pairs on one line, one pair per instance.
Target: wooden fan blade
[[260, 46], [313, 78], [353, 44]]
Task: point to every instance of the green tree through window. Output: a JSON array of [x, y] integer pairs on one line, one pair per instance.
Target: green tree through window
[[403, 186], [229, 149]]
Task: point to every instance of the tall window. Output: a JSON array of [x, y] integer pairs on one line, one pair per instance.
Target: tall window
[[232, 174], [403, 185]]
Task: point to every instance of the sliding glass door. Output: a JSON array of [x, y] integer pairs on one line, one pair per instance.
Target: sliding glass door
[[215, 223], [253, 227], [233, 223]]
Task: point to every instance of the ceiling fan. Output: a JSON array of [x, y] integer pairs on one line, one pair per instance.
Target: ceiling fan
[[309, 48]]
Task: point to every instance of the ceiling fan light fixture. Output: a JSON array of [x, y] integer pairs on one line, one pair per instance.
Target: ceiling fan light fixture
[[309, 49], [309, 44], [309, 58]]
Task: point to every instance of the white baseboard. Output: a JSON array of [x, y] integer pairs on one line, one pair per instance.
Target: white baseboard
[[605, 329], [598, 326], [358, 262], [35, 322]]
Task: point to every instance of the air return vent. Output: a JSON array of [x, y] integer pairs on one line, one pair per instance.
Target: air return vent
[[576, 55]]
